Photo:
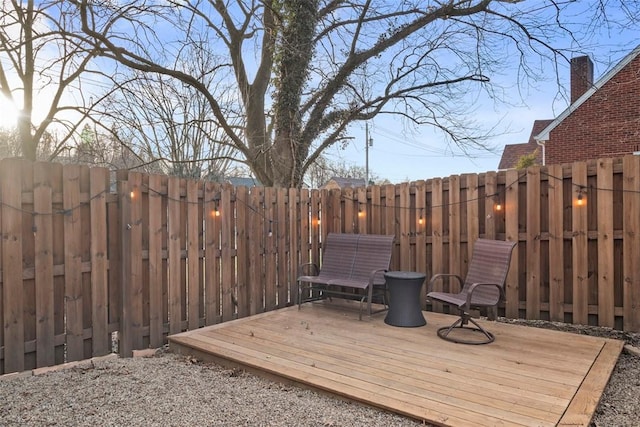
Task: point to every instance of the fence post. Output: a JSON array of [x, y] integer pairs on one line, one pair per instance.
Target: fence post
[[630, 244], [101, 341], [126, 327]]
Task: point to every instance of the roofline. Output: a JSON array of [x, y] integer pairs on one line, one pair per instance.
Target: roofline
[[544, 134]]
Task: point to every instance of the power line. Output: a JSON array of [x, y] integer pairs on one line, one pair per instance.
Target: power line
[[259, 211]]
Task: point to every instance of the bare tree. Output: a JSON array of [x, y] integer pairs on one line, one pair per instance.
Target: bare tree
[[106, 148], [323, 169], [9, 146], [42, 59], [170, 123], [304, 70]]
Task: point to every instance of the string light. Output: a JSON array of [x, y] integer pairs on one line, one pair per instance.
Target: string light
[[216, 211], [581, 200], [270, 232], [360, 213], [421, 220], [497, 204]]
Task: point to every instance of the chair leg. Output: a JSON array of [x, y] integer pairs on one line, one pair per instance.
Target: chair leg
[[361, 305], [460, 323]]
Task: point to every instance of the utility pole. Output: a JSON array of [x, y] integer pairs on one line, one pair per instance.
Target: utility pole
[[367, 143]]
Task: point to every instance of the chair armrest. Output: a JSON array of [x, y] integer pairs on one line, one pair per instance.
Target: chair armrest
[[442, 276], [476, 285], [308, 266]]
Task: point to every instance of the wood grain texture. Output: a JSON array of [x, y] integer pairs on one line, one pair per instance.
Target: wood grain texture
[[528, 376]]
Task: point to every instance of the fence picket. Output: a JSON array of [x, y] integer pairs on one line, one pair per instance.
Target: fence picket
[[101, 337], [294, 260], [556, 243], [512, 233], [351, 211], [125, 344], [404, 227], [437, 249], [73, 263], [155, 262], [389, 213], [304, 207], [12, 290], [174, 256], [244, 220], [365, 218], [473, 217], [258, 226], [271, 243], [455, 250], [28, 264], [492, 197], [533, 243], [631, 243], [212, 254], [282, 257], [193, 255], [374, 225], [135, 258], [316, 226], [606, 287], [228, 255], [43, 231], [580, 261], [421, 237]]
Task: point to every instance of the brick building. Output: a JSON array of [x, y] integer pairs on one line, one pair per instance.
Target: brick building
[[603, 119]]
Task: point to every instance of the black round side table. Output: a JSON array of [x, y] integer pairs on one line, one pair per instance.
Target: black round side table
[[404, 299]]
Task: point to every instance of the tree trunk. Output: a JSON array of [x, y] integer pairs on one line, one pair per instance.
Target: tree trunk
[[295, 50], [28, 143]]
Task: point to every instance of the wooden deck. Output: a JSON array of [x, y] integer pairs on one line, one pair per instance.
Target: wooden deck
[[528, 376]]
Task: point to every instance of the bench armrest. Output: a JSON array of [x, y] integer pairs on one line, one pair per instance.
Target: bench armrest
[[372, 276], [308, 269]]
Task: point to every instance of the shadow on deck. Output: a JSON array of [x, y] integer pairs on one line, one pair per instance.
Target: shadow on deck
[[528, 376]]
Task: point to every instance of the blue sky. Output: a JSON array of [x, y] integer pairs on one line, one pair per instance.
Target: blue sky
[[399, 154]]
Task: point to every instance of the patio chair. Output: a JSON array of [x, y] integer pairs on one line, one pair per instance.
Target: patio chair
[[483, 287]]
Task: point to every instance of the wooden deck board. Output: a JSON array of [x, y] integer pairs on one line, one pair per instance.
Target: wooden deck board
[[528, 376]]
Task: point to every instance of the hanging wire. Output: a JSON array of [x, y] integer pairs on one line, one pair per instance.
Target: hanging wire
[[580, 188]]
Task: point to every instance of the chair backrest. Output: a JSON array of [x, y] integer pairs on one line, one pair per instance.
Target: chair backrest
[[374, 253], [338, 254], [489, 264]]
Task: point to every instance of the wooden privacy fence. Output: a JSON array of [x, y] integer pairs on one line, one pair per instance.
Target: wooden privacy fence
[[89, 257]]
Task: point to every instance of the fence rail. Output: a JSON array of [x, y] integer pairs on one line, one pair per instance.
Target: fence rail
[[86, 253]]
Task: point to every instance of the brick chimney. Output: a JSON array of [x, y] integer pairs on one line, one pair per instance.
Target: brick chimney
[[581, 76]]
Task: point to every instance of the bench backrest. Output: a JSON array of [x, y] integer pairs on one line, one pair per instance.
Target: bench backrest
[[338, 255], [373, 253], [355, 256]]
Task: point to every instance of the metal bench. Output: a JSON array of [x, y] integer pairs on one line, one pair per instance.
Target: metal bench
[[350, 262]]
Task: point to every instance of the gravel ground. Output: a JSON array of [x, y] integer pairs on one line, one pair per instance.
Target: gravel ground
[[171, 390]]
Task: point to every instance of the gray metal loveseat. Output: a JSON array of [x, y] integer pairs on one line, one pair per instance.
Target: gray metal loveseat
[[350, 262]]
